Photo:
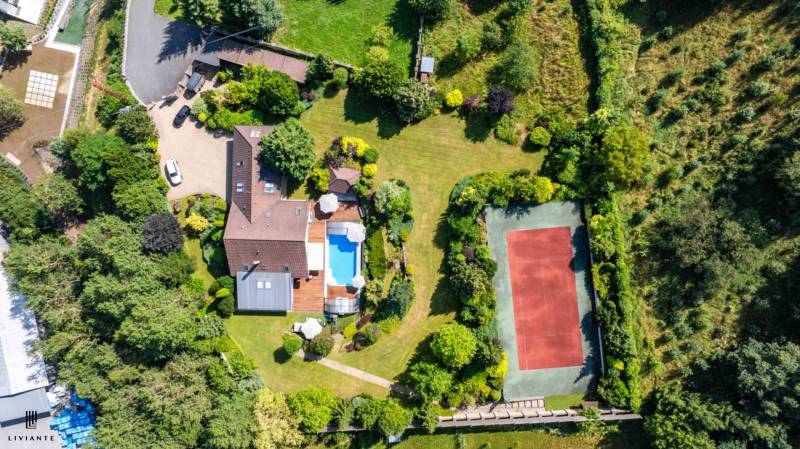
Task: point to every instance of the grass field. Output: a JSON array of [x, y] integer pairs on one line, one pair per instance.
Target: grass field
[[431, 156], [561, 402], [629, 437], [552, 29], [341, 28], [260, 338]]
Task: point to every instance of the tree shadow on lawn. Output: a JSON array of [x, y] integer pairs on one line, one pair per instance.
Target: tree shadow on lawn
[[442, 297], [478, 126], [359, 108], [280, 356], [404, 20]]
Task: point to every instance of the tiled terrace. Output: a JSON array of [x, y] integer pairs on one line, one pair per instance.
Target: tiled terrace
[[310, 294]]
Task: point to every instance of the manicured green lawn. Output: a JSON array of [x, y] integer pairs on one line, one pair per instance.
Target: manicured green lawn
[[260, 338], [193, 249], [169, 8], [562, 402], [341, 28], [630, 437], [430, 156]]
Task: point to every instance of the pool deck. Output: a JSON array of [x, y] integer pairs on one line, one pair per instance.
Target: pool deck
[[310, 294]]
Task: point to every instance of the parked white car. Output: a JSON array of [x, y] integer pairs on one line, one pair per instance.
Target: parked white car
[[173, 172]]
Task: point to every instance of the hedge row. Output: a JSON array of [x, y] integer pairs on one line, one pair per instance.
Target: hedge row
[[608, 32], [612, 279]]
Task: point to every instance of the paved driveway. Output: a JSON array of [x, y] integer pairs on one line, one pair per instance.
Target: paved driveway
[[158, 51], [202, 156]]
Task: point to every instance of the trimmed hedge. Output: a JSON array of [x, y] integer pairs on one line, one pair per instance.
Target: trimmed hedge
[[376, 254], [608, 29], [612, 278]]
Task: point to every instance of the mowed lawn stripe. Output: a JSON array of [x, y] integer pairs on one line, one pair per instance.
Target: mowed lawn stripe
[[431, 157]]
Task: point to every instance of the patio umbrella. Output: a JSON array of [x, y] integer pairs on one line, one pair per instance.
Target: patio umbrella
[[356, 232], [359, 281], [310, 328], [328, 203]]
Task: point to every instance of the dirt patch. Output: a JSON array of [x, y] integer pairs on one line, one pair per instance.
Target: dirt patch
[[41, 123]]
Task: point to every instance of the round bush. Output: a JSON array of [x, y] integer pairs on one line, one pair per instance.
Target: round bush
[[350, 330], [225, 307], [222, 293], [454, 99], [371, 155], [540, 136], [161, 233], [321, 345], [292, 343], [454, 345]]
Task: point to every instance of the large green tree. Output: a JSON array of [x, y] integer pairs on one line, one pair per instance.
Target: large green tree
[[289, 148], [622, 156], [264, 16], [276, 427], [429, 380], [136, 126], [58, 194], [380, 78], [413, 101], [432, 9], [313, 406], [157, 328], [201, 12], [454, 345], [517, 68], [138, 201]]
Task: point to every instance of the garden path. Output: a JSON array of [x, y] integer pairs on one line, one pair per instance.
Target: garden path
[[349, 370]]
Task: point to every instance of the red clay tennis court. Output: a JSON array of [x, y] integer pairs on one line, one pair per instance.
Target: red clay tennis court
[[544, 297]]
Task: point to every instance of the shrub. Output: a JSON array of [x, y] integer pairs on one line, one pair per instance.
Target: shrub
[[432, 9], [539, 137], [223, 76], [471, 104], [393, 199], [377, 54], [376, 256], [319, 179], [225, 307], [222, 293], [221, 282], [518, 6], [340, 77], [321, 68], [543, 189], [197, 223], [107, 108], [321, 345], [369, 170], [454, 99], [413, 101], [350, 330], [648, 43], [758, 89], [678, 112], [398, 301], [454, 345], [289, 149], [136, 126], [368, 335], [622, 155], [493, 36], [742, 34], [291, 343], [381, 78], [381, 35], [429, 380], [746, 114], [716, 70], [500, 101], [161, 233], [667, 32], [468, 45], [371, 155], [505, 130], [673, 77], [517, 68]]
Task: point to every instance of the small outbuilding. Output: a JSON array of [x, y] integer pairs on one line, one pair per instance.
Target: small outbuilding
[[426, 66], [342, 182]]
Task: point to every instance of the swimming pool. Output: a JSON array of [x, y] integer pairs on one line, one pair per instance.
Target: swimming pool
[[342, 259]]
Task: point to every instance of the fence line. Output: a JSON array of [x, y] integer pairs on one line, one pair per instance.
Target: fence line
[[52, 22], [510, 418], [418, 55], [85, 65]]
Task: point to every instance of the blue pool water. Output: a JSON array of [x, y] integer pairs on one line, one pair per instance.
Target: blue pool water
[[342, 259]]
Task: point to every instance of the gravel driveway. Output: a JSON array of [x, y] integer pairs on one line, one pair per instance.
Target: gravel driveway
[[202, 156], [158, 51]]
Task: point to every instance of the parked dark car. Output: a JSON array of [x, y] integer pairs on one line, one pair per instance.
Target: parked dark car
[[194, 85], [180, 117]]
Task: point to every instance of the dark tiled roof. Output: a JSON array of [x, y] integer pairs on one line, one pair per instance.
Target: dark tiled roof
[[262, 226], [240, 53], [342, 179]]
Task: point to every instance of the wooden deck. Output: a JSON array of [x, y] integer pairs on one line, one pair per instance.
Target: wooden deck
[[310, 294]]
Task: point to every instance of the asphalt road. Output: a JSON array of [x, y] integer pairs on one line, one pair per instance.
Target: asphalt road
[[158, 51]]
